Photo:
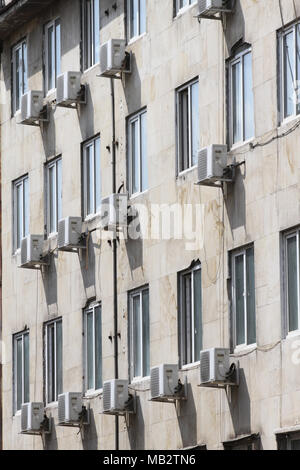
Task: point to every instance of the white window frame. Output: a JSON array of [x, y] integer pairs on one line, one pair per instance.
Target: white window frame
[[47, 345], [132, 295], [133, 119], [183, 334], [287, 235], [21, 46], [16, 337], [281, 37], [234, 255], [55, 72], [239, 58], [16, 184], [51, 165], [86, 184], [92, 309], [89, 58], [129, 23], [187, 86], [180, 9]]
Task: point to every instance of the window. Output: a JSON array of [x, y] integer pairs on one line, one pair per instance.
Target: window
[[91, 177], [190, 315], [137, 146], [241, 113], [292, 280], [19, 74], [54, 195], [139, 333], [21, 369], [288, 441], [53, 357], [52, 54], [136, 17], [91, 32], [243, 297], [188, 125], [180, 4], [250, 442], [93, 347], [289, 58], [21, 210]]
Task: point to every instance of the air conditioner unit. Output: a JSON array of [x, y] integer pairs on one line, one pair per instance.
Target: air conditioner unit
[[212, 162], [115, 396], [113, 58], [71, 409], [32, 252], [69, 89], [31, 107], [163, 381], [69, 235], [32, 418], [210, 7], [215, 368], [114, 212]]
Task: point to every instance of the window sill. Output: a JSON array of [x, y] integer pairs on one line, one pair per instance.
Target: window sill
[[240, 145], [287, 121], [293, 334], [136, 38], [245, 348], [90, 69], [52, 405], [191, 366], [17, 414], [183, 10], [143, 382], [90, 394], [137, 195]]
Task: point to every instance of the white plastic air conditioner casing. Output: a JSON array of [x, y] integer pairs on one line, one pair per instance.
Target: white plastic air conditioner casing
[[69, 233], [115, 395], [214, 366], [31, 251], [32, 416], [212, 161], [31, 107], [69, 408], [210, 7], [68, 88], [112, 57], [114, 212], [163, 380]]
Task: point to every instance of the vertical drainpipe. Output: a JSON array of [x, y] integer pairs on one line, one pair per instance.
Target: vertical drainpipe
[[1, 442], [115, 248]]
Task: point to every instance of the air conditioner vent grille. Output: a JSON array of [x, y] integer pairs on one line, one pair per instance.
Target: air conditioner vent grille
[[24, 255], [61, 408], [61, 233], [202, 164], [24, 417], [107, 396], [154, 381], [103, 57], [205, 366]]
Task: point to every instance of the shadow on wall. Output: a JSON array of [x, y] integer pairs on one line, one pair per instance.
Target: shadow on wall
[[88, 264], [50, 442], [85, 114], [240, 407], [136, 428], [134, 242], [49, 279], [90, 436], [132, 88], [187, 420], [234, 29], [236, 201]]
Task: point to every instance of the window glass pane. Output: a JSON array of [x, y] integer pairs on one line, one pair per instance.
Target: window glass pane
[[51, 58], [98, 346], [236, 102], [57, 48], [289, 71], [18, 78], [91, 179], [184, 129], [59, 359], [146, 334], [26, 206], [239, 299], [24, 67], [137, 336], [248, 98], [52, 199], [50, 363], [251, 321], [144, 161], [295, 444], [197, 315], [142, 16], [187, 320], [133, 18], [292, 283], [90, 349], [19, 190], [96, 31], [195, 122], [59, 191], [298, 67], [135, 156], [98, 174], [26, 368], [19, 380]]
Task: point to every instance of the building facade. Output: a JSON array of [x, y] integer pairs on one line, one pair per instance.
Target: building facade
[[211, 267]]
